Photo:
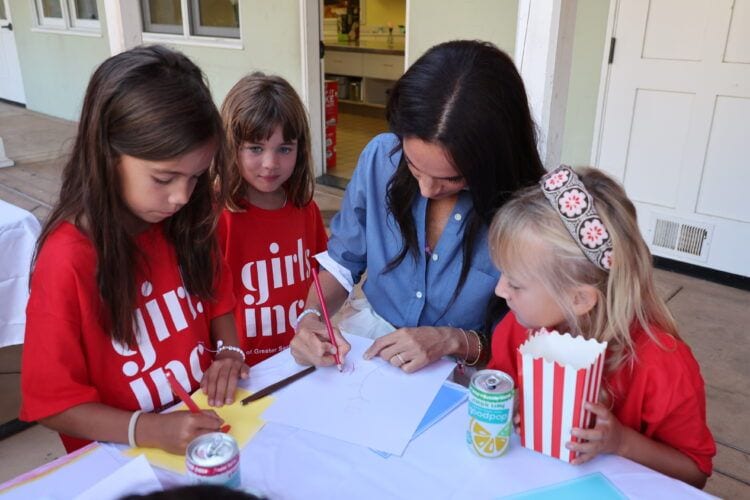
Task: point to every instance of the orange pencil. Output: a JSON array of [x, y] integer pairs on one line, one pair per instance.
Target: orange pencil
[[326, 317], [181, 393]]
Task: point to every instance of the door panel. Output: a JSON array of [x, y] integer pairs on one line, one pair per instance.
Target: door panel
[[658, 134], [671, 36], [738, 41], [674, 122], [723, 194]]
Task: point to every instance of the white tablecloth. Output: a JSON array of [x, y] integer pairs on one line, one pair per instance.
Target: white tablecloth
[[19, 231], [286, 463], [282, 462]]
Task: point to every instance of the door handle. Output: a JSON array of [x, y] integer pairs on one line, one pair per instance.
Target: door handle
[[8, 27]]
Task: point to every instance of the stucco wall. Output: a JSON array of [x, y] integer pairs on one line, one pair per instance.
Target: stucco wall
[[433, 22], [588, 51], [56, 67]]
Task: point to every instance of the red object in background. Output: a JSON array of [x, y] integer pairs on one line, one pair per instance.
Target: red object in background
[[331, 147], [331, 117]]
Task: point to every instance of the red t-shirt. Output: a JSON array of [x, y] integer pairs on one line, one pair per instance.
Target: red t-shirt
[[70, 359], [268, 252], [661, 395]]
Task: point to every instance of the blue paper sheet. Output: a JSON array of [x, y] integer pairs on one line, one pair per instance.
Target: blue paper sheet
[[592, 486], [448, 397]]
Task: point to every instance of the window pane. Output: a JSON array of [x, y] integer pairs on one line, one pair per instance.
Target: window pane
[[218, 13], [2, 11], [51, 8], [165, 12], [215, 18], [86, 9], [163, 16]]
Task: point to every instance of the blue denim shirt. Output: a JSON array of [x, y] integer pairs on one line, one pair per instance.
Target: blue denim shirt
[[365, 237]]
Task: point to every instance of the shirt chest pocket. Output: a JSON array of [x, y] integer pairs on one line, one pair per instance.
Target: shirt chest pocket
[[468, 306]]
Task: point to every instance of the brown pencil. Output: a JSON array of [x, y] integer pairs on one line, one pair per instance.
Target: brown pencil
[[278, 385]]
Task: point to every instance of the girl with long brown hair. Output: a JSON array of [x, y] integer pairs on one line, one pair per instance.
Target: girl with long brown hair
[[270, 217], [128, 282]]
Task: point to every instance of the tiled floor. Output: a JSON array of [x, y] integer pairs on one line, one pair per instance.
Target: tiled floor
[[713, 317], [353, 132]]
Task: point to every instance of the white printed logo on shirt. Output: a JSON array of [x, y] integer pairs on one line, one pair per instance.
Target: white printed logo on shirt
[[285, 271], [141, 360]]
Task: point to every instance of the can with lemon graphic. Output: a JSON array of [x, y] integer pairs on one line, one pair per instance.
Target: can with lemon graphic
[[490, 413]]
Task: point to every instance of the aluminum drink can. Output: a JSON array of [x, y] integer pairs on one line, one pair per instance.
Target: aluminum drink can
[[213, 459], [490, 413]]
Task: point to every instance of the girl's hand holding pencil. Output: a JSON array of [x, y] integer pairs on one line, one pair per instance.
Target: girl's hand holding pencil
[[173, 431]]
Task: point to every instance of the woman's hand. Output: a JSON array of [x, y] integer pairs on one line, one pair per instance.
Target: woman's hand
[[311, 344], [173, 431], [412, 349], [605, 437], [220, 380]]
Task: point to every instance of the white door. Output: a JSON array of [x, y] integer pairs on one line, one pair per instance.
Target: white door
[[675, 126], [11, 85], [312, 79]]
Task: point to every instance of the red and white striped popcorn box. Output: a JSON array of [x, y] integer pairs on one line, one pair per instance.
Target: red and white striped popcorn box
[[558, 373]]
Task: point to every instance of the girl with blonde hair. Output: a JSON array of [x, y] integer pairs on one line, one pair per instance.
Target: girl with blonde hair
[[572, 259]]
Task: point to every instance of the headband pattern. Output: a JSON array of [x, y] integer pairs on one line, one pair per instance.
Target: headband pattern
[[575, 206]]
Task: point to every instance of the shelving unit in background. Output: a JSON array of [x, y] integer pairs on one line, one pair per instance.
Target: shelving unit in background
[[373, 72]]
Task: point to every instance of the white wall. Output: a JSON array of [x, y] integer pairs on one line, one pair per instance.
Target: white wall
[[430, 23], [588, 51], [270, 43]]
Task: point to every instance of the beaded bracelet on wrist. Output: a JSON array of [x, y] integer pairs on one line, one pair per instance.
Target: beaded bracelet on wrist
[[220, 347]]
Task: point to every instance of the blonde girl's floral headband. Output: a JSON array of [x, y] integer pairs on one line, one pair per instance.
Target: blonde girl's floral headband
[[575, 206]]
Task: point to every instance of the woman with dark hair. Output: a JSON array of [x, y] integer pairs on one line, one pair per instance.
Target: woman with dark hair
[[416, 212]]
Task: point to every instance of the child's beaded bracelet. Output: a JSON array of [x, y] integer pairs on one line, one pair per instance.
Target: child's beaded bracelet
[[220, 347]]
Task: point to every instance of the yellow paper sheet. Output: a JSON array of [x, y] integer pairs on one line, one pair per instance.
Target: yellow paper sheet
[[245, 422]]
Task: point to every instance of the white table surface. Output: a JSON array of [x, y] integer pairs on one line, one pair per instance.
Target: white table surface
[[282, 462], [286, 463], [19, 231]]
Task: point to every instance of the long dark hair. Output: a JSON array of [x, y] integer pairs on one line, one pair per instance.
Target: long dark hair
[[252, 110], [150, 103], [467, 97]]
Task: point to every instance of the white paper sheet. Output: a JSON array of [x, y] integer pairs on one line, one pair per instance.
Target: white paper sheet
[[135, 477], [371, 403], [66, 477]]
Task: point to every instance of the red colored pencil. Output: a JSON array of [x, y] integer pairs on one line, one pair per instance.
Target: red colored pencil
[[181, 393], [326, 317]]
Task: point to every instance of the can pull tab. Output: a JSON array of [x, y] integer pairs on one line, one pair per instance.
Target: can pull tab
[[492, 382], [213, 448]]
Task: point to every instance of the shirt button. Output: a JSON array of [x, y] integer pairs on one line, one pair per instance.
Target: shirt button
[[434, 257], [457, 216], [419, 295]]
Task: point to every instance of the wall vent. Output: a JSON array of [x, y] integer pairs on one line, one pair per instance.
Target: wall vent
[[673, 237]]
